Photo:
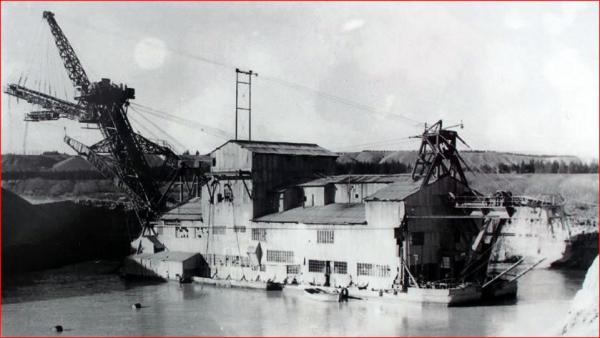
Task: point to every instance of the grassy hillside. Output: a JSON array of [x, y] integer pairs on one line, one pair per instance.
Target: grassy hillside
[[60, 177], [475, 157]]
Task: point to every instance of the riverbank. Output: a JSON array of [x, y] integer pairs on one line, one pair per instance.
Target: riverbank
[[41, 236]]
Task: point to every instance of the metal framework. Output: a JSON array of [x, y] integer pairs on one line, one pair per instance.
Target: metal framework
[[122, 154], [438, 156], [243, 78], [71, 61], [62, 108]]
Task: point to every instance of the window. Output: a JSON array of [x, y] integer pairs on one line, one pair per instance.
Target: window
[[366, 269], [279, 256], [228, 193], [181, 232], [293, 269], [214, 161], [218, 230], [340, 267], [381, 270], [363, 269], [259, 235], [324, 236], [446, 262], [417, 238], [316, 266], [239, 228]]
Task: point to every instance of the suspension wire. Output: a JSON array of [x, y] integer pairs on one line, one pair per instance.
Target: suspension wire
[[273, 79], [489, 177], [401, 140], [216, 132], [173, 139], [159, 129], [334, 98], [25, 138], [143, 127], [47, 71], [24, 77], [181, 120]]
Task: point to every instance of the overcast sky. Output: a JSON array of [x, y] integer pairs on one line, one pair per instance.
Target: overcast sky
[[523, 77]]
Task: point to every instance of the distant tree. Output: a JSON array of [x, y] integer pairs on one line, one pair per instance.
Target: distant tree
[[555, 167], [503, 168], [486, 168], [531, 166]]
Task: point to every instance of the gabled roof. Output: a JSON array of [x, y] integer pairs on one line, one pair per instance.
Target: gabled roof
[[397, 191], [355, 179], [282, 148], [336, 213]]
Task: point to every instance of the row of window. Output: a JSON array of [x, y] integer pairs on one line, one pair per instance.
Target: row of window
[[293, 269], [376, 270], [185, 232], [258, 234], [316, 266], [321, 266], [362, 269], [325, 236], [239, 228], [279, 256], [197, 232], [227, 260]]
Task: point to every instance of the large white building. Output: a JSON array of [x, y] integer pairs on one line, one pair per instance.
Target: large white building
[[274, 211]]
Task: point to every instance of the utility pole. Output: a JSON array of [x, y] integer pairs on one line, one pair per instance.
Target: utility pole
[[243, 79]]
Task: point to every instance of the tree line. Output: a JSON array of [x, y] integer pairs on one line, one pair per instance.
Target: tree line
[[524, 167], [359, 168]]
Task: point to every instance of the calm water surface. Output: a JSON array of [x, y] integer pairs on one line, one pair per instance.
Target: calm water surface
[[89, 299]]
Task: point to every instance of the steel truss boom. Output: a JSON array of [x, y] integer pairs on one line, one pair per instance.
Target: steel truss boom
[[122, 154], [71, 61], [64, 108]]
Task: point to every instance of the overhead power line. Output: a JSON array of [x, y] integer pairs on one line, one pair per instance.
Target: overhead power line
[[393, 141], [282, 82]]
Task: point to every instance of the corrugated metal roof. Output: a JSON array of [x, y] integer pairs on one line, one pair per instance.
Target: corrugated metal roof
[[397, 191], [190, 211], [337, 213], [167, 256], [355, 179], [283, 148]]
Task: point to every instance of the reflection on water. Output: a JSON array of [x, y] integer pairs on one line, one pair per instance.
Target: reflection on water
[[88, 303]]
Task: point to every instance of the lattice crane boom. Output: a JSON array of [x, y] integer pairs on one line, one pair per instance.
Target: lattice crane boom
[[67, 54], [60, 107], [122, 153]]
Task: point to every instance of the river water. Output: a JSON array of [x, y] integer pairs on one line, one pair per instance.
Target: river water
[[90, 299]]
